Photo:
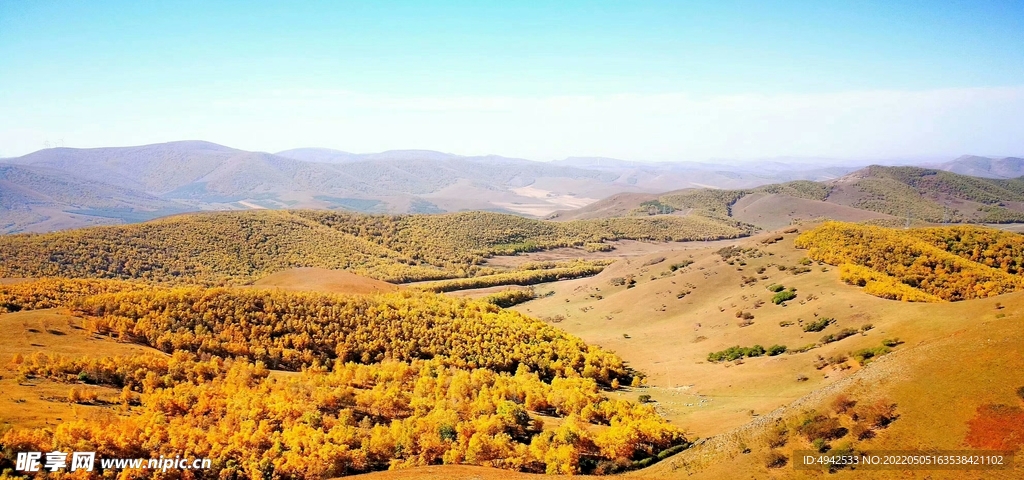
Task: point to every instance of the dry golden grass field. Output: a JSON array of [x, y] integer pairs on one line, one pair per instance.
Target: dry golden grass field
[[42, 402]]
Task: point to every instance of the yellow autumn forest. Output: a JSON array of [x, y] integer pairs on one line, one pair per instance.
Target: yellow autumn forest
[[227, 248], [386, 381], [921, 264]]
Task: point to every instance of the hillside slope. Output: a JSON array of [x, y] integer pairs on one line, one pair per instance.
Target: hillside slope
[[680, 314], [240, 247], [922, 264], [931, 195], [884, 194], [954, 386], [33, 198], [975, 166], [745, 343]]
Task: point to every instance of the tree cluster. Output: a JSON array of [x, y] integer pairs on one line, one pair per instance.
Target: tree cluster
[[348, 419], [290, 330], [938, 262], [519, 277], [55, 292]]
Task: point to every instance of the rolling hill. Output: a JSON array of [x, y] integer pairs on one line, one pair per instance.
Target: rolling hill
[[197, 175], [49, 199], [751, 347], [875, 193], [949, 372], [987, 167], [241, 247]]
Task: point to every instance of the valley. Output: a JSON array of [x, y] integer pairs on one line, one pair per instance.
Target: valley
[[511, 241]]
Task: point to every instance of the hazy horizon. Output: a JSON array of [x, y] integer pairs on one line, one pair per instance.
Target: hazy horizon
[[652, 82], [795, 161]]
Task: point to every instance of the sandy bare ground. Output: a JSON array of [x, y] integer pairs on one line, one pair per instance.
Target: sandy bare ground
[[12, 281], [252, 205], [323, 280], [614, 206], [1009, 227], [548, 201], [561, 200]]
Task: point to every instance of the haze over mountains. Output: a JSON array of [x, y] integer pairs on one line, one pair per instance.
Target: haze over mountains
[[62, 188], [1008, 167]]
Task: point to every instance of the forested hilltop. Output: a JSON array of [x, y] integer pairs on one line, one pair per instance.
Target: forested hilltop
[[386, 381], [239, 247], [921, 264], [875, 192]]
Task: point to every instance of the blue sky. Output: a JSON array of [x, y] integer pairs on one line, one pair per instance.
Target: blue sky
[[543, 80]]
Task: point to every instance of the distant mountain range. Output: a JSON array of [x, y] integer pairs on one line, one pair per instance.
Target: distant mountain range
[[60, 188]]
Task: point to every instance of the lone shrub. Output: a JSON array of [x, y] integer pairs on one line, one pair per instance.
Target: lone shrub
[[783, 296], [821, 427], [776, 350], [819, 324], [835, 337], [878, 415], [891, 342], [864, 355], [78, 395], [777, 437], [775, 460], [843, 403], [682, 264]]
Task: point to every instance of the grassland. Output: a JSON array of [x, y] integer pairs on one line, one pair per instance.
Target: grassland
[[668, 323], [240, 247], [959, 363]]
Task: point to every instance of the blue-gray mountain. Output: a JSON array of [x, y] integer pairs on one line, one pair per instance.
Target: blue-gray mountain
[[61, 188]]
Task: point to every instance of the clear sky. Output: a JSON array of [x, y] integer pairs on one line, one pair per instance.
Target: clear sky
[[637, 80]]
